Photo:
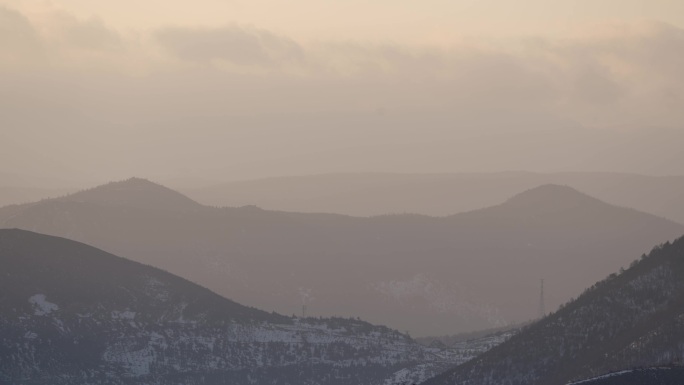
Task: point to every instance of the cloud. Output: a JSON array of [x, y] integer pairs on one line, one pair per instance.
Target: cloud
[[630, 75], [19, 40], [264, 103], [53, 40], [243, 46], [85, 34]]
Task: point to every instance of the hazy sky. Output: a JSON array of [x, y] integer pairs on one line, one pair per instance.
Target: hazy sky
[[95, 90]]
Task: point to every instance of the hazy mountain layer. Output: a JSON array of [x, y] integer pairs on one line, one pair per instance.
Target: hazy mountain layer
[[438, 194], [430, 276], [490, 337], [70, 314], [10, 195], [629, 320]]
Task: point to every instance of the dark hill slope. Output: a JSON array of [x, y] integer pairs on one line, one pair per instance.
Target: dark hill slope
[[73, 314], [669, 375], [633, 319], [423, 274], [74, 273]]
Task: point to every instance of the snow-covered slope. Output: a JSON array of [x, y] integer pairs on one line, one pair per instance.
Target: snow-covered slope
[[71, 314]]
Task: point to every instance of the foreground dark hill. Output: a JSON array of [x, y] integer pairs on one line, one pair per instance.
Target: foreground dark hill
[[430, 276], [669, 375], [629, 320], [73, 314], [438, 194]]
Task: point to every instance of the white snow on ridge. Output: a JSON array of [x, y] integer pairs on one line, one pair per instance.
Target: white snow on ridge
[[41, 305], [30, 335], [601, 377], [614, 374]]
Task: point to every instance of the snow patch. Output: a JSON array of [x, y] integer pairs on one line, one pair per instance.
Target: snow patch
[[41, 306], [129, 315], [157, 289], [30, 335], [615, 374]]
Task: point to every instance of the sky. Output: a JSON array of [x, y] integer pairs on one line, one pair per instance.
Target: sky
[[96, 90]]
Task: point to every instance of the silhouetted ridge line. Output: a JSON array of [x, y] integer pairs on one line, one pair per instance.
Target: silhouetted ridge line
[[371, 194], [134, 192], [551, 194]]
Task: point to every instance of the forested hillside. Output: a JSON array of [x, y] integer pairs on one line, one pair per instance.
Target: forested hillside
[[633, 318]]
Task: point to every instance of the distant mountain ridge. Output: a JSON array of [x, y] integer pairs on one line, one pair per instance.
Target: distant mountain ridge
[[423, 274], [368, 194], [630, 320], [134, 192], [73, 314], [551, 197]]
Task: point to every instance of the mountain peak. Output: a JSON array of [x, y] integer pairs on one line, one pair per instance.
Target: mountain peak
[[551, 196], [134, 192]]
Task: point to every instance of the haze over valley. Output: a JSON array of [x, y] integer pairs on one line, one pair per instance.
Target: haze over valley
[[423, 274], [342, 193]]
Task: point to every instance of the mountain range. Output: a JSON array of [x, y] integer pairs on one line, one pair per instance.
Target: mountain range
[[426, 275], [368, 194]]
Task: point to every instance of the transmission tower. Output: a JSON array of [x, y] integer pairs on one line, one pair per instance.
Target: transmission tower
[[542, 308]]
